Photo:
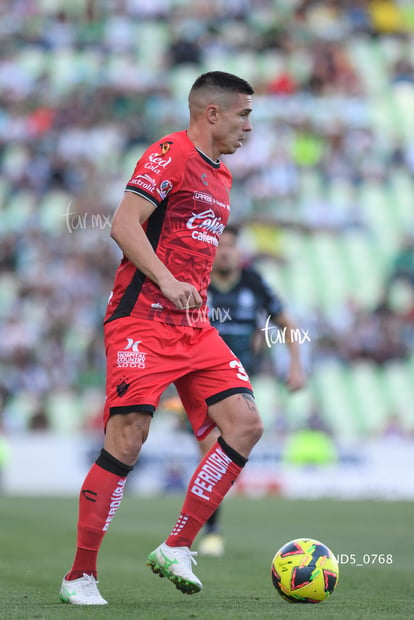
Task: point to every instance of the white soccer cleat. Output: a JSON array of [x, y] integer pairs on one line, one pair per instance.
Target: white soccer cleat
[[82, 591], [175, 564]]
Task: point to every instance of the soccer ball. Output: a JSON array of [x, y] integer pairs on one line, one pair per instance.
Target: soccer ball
[[305, 571]]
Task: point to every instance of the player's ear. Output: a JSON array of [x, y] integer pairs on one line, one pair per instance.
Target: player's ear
[[212, 113]]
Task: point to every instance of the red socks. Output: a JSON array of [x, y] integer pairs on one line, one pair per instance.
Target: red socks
[[211, 481], [102, 491], [99, 499]]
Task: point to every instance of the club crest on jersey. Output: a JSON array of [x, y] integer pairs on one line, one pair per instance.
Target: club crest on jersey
[[165, 147], [131, 356]]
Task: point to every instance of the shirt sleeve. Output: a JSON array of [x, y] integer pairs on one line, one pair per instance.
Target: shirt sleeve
[[155, 174]]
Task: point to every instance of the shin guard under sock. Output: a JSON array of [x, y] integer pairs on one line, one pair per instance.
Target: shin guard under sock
[[211, 481], [99, 499]]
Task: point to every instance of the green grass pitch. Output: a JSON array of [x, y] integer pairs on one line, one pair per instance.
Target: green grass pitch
[[37, 541]]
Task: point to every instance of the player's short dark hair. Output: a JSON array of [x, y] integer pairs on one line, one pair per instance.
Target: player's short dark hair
[[223, 81]]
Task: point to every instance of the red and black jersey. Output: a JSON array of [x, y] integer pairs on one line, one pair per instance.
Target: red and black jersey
[[191, 195]]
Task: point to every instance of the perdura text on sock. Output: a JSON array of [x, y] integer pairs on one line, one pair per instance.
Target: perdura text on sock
[[212, 471], [116, 499]]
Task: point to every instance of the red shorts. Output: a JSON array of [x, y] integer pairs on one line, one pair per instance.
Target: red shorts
[[145, 357]]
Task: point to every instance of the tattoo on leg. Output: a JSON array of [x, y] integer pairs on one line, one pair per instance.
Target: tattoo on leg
[[250, 402]]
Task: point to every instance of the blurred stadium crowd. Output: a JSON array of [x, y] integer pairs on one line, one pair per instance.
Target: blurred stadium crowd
[[324, 188]]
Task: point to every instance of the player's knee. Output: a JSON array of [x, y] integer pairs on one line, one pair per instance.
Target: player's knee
[[131, 446], [133, 438], [249, 430], [126, 435], [251, 422], [255, 429]]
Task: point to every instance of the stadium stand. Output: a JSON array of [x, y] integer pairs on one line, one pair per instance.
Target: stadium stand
[[329, 169]]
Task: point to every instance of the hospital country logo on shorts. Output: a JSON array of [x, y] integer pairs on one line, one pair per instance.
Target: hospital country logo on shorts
[[131, 356]]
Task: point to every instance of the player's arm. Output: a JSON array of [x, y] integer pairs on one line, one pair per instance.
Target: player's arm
[[296, 376], [127, 231]]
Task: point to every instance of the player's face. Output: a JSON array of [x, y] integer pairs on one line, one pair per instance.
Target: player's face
[[228, 255], [233, 123]]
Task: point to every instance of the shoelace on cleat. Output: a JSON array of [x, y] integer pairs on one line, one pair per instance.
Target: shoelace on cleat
[[90, 584], [192, 555]]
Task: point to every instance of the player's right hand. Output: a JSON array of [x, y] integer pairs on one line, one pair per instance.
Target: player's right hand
[[182, 294]]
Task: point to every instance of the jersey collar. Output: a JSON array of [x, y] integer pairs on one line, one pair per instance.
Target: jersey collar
[[215, 164]]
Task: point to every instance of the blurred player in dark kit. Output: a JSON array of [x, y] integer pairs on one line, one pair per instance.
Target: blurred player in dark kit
[[239, 300]]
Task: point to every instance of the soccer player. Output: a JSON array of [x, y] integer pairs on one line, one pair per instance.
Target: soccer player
[[239, 299], [157, 332]]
